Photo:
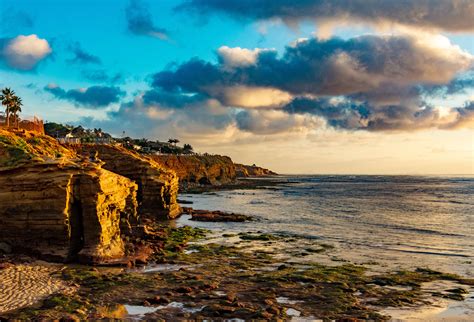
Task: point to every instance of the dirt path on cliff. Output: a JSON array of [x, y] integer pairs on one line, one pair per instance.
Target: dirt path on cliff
[[26, 284]]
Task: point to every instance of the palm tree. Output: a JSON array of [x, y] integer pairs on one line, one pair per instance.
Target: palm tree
[[7, 99], [16, 108]]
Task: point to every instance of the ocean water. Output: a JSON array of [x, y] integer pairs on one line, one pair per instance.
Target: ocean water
[[393, 222]]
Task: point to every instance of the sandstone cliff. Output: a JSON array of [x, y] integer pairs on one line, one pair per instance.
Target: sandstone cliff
[[60, 206], [199, 169], [157, 185], [243, 170]]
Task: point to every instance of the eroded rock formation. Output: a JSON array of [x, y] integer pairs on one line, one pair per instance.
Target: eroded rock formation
[[60, 206], [244, 171], [200, 169], [157, 185]]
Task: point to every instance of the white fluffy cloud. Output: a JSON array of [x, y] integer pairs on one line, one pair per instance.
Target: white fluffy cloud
[[25, 52], [237, 56]]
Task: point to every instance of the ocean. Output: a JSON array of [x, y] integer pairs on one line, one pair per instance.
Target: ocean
[[390, 222]]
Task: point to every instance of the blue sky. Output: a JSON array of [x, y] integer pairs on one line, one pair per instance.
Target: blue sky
[[238, 107]]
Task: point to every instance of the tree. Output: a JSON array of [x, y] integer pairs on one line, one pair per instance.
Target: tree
[[7, 99], [187, 149], [16, 108], [173, 141]]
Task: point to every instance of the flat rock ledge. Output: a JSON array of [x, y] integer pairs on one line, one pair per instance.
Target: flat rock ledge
[[215, 216]]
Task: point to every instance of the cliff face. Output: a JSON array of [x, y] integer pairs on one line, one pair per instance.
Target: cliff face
[[243, 170], [59, 206], [157, 185], [202, 169]]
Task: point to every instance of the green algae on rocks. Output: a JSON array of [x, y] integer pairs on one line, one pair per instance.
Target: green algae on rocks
[[210, 280]]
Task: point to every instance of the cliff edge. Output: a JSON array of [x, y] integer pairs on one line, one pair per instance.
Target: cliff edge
[[157, 185], [199, 169], [244, 171], [60, 206]]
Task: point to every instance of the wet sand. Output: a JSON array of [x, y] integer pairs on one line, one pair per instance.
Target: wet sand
[[26, 284]]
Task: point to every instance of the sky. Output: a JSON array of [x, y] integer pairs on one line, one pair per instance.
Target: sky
[[298, 86]]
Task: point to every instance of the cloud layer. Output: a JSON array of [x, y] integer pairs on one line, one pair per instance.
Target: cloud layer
[[375, 83], [93, 97], [329, 67], [140, 22], [448, 15], [24, 52]]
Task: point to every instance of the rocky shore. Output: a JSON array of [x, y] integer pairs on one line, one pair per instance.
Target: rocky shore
[[100, 217], [65, 206], [195, 279]]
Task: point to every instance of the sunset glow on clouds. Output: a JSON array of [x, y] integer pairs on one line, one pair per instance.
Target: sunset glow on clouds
[[326, 82]]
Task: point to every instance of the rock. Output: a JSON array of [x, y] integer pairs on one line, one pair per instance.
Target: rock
[[244, 171], [157, 185], [185, 202], [217, 310], [210, 286], [199, 169], [5, 265], [65, 208], [141, 254], [273, 310], [159, 300], [5, 248], [231, 297], [269, 301], [217, 216], [184, 289]]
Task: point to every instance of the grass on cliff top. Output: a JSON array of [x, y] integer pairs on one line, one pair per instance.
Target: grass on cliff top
[[19, 148]]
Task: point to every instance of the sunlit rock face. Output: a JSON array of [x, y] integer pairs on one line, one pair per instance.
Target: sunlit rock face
[[243, 170], [203, 169], [61, 208], [109, 206], [69, 212], [157, 185]]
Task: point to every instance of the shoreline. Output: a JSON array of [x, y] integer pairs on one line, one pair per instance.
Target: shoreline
[[197, 277], [256, 182]]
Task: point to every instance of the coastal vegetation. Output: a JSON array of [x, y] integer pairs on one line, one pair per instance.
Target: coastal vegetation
[[143, 145], [13, 104]]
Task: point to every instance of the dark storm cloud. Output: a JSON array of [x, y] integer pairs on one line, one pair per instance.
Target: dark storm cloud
[[140, 22], [329, 67], [93, 97], [449, 15], [81, 56]]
